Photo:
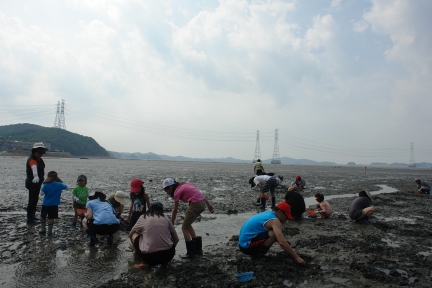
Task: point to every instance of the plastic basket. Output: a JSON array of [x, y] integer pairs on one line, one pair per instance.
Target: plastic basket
[[311, 212], [245, 276]]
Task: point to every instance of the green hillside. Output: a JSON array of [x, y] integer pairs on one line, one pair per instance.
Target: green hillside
[[61, 140]]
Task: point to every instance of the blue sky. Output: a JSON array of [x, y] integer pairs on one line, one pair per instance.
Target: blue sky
[[340, 80]]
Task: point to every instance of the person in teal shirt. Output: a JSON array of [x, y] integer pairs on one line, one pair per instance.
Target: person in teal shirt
[[79, 197]]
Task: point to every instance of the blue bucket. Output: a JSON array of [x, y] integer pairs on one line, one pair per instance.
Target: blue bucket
[[244, 276]]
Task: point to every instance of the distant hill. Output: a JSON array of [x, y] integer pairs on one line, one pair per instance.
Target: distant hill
[[153, 156], [61, 140]]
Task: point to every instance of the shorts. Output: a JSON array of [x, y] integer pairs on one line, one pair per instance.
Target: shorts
[[78, 205], [102, 229], [193, 211], [155, 258], [255, 244], [269, 185], [50, 211]]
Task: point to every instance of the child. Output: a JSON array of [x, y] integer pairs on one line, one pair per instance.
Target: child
[[138, 201], [79, 197], [51, 189], [324, 209]]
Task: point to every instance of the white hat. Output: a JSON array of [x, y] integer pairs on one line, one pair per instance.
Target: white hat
[[167, 182], [39, 145], [119, 196]]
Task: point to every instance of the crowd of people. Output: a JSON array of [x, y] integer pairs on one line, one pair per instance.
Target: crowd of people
[[152, 234]]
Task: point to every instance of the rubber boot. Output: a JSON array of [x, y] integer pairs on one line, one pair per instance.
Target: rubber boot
[[198, 246], [42, 228], [92, 236], [263, 203], [191, 249], [273, 203], [50, 228]]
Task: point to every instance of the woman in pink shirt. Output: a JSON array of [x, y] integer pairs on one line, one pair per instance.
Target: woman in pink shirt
[[154, 237], [188, 193], [324, 209]]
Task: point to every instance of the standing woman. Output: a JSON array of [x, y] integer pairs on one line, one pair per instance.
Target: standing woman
[[35, 171], [188, 193]]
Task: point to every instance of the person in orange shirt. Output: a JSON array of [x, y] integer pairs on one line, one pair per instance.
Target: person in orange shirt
[[35, 171]]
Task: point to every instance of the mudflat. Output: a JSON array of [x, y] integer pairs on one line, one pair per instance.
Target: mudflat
[[394, 250]]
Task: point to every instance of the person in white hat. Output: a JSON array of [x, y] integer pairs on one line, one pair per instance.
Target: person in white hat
[[35, 172], [117, 201]]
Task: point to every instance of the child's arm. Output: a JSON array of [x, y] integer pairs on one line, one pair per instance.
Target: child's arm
[[147, 198], [74, 197]]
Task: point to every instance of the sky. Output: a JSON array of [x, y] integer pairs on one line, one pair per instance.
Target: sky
[[340, 80]]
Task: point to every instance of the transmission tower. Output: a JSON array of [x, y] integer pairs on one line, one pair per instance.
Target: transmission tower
[[257, 149], [276, 158], [57, 118], [412, 163], [59, 121], [62, 117]]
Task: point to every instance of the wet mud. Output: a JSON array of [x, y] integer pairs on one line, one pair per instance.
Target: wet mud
[[393, 250]]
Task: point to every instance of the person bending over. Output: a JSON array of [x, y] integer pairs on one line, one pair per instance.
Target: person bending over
[[262, 230], [422, 186]]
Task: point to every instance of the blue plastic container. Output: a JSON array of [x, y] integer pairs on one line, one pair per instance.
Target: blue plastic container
[[244, 276]]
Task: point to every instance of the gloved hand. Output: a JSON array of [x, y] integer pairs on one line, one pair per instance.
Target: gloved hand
[[77, 200], [35, 179]]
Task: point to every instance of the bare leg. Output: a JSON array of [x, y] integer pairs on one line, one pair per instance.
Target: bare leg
[[188, 233], [74, 219], [84, 224]]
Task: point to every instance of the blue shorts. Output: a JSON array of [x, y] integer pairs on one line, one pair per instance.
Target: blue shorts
[[255, 244], [51, 211]]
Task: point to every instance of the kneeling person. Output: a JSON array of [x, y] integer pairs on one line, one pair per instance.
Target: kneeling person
[[361, 208], [261, 231]]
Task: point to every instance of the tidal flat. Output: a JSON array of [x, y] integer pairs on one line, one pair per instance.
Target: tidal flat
[[393, 250]]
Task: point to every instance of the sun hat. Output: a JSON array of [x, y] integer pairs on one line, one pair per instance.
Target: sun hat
[[119, 196], [52, 177], [167, 182], [39, 147], [286, 208], [135, 185], [291, 188]]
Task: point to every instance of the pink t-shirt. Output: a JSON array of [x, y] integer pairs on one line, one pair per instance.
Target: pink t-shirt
[[328, 210], [155, 233], [187, 192]]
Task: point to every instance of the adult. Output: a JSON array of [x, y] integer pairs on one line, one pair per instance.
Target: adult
[[299, 182], [35, 171], [262, 230], [361, 208], [154, 237], [259, 168], [100, 218], [297, 203], [266, 183], [187, 193], [324, 209], [422, 186]]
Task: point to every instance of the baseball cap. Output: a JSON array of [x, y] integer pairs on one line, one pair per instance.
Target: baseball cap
[[135, 185], [298, 177], [167, 182], [285, 207]]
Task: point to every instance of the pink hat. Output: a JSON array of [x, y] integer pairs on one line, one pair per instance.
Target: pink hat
[[136, 185]]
